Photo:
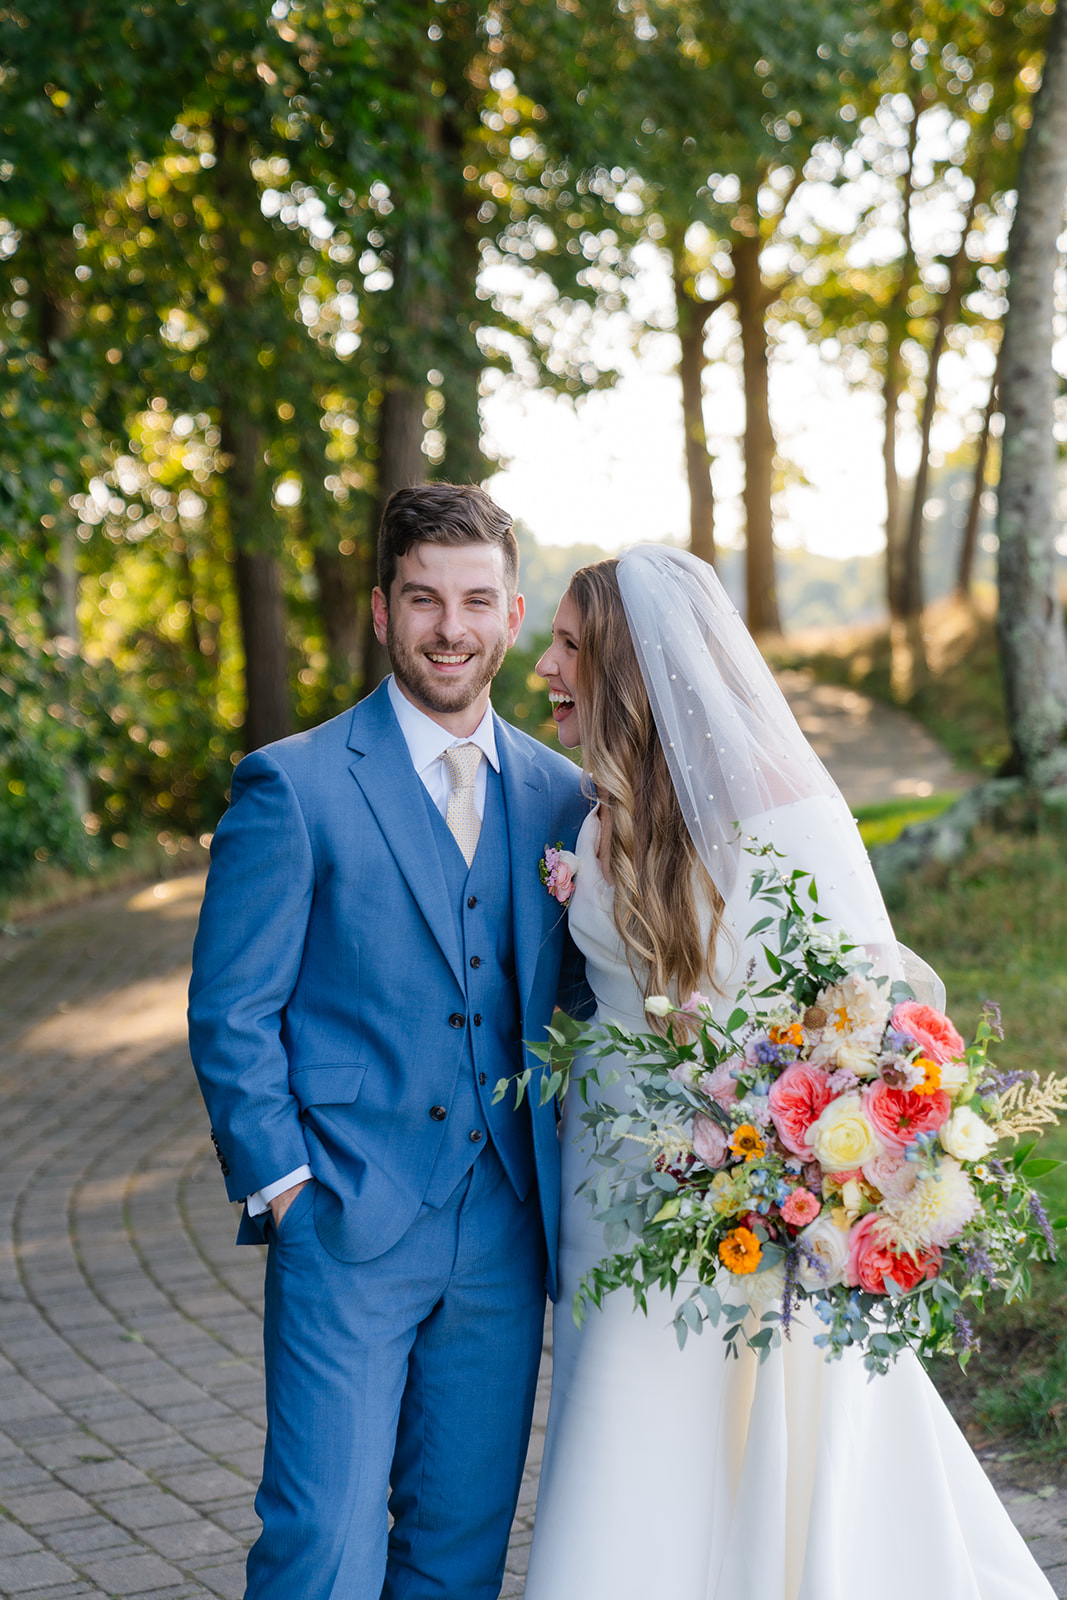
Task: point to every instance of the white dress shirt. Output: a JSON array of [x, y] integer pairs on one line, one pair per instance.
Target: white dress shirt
[[426, 741]]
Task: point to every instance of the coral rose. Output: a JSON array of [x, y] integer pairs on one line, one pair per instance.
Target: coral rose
[[796, 1100], [900, 1115], [872, 1259], [709, 1142], [931, 1030]]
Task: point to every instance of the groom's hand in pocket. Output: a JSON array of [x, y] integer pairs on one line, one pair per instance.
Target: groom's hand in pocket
[[281, 1202]]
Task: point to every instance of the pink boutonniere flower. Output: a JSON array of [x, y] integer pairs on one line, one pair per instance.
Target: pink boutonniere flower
[[558, 869]]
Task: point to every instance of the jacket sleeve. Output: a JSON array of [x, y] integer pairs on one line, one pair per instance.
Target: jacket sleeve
[[246, 961]]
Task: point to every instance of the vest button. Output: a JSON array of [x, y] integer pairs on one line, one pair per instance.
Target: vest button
[[438, 1113], [475, 1136], [481, 1078], [476, 961], [477, 1019], [456, 1020], [472, 902]]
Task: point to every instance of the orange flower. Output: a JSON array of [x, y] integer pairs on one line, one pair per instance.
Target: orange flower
[[746, 1142], [792, 1034], [932, 1082], [740, 1251]]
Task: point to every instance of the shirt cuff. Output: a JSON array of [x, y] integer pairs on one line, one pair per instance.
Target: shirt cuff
[[260, 1201]]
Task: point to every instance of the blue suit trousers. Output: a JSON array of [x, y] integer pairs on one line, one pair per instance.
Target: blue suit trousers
[[426, 1358]]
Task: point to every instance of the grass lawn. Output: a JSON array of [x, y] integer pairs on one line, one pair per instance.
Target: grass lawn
[[995, 927]]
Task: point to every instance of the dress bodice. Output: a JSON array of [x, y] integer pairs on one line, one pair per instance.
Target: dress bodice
[[592, 927]]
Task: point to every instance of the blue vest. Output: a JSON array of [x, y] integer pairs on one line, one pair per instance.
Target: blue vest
[[481, 902]]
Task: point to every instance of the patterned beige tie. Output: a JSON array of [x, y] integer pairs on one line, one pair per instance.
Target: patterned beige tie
[[463, 820]]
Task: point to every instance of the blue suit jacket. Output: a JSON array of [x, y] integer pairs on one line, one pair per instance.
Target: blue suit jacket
[[327, 966]]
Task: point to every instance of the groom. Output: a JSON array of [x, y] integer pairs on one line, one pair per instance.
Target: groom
[[374, 946]]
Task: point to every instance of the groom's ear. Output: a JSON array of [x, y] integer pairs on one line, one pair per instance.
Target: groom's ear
[[516, 612], [379, 610]]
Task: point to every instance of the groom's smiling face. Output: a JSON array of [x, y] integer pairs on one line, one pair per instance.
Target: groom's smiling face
[[448, 624]]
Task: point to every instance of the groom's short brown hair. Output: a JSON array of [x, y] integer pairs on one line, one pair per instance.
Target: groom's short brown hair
[[443, 513]]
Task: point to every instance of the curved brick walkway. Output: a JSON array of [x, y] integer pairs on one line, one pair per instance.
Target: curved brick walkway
[[130, 1371], [131, 1425]]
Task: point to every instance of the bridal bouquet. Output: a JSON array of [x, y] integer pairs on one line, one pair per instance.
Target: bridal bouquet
[[832, 1144]]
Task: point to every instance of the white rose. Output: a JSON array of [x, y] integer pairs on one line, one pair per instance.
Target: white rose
[[858, 1052], [828, 1243], [842, 1137], [966, 1136], [954, 1075], [658, 1005]]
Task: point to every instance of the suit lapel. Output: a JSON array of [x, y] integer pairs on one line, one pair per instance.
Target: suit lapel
[[526, 805], [393, 790]]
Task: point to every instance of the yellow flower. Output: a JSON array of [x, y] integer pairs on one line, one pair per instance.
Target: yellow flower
[[793, 1034], [932, 1082], [841, 1137], [746, 1142], [740, 1251], [730, 1195]]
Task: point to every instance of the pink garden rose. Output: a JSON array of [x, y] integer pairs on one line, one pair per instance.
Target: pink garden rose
[[796, 1100], [931, 1030], [709, 1142], [800, 1208], [721, 1085], [900, 1115], [871, 1259]]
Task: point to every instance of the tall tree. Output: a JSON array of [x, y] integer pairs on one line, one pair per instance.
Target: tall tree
[[716, 106], [1031, 624]]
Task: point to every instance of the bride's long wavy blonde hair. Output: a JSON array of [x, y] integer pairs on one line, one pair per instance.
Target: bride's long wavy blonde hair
[[661, 884]]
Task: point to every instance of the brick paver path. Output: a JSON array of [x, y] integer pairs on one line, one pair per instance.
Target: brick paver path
[[130, 1372]]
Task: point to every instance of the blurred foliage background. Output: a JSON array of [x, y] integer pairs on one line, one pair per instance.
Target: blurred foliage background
[[259, 265]]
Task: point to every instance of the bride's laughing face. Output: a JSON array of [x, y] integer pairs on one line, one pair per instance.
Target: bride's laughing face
[[559, 665]]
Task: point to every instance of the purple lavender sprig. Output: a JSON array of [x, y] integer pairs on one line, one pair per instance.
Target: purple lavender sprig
[[977, 1260], [991, 1012], [965, 1339], [1040, 1216], [996, 1082], [790, 1292]]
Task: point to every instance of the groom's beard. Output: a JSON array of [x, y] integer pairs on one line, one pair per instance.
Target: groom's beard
[[417, 675]]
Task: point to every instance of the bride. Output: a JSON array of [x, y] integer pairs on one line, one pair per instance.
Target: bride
[[680, 1474]]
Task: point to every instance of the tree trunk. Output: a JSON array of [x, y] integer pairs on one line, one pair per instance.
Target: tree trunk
[[692, 317], [253, 528], [261, 606], [912, 586], [751, 301], [401, 465], [338, 579], [969, 542], [893, 382], [1032, 639]]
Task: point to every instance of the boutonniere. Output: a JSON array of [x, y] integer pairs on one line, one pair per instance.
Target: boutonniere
[[558, 869]]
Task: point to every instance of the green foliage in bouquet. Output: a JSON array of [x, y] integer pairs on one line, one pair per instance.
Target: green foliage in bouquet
[[827, 1149]]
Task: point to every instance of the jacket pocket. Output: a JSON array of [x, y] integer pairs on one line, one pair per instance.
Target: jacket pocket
[[326, 1085]]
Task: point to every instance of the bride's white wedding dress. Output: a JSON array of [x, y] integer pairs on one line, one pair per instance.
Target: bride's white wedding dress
[[680, 1475]]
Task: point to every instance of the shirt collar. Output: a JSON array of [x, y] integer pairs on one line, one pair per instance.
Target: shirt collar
[[426, 739]]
